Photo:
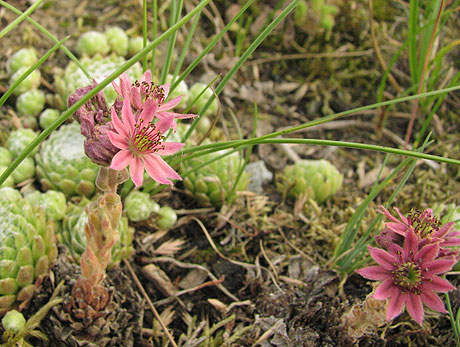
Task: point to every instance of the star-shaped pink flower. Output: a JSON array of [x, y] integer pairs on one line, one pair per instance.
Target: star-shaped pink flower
[[141, 143], [139, 92], [410, 277]]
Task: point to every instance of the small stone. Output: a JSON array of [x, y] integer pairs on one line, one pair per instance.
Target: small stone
[[259, 175]]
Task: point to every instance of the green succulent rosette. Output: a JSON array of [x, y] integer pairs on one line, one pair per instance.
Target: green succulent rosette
[[212, 184], [99, 68], [62, 164], [27, 248], [317, 179], [74, 238]]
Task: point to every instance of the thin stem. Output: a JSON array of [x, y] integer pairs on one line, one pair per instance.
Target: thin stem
[[18, 20]]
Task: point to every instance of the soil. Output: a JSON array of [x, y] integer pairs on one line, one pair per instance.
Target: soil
[[271, 283]]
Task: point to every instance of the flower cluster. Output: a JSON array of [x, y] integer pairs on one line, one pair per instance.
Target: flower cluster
[[132, 133], [416, 252]]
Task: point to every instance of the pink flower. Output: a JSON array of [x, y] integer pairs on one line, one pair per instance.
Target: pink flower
[[410, 276], [139, 92], [141, 143], [426, 227]]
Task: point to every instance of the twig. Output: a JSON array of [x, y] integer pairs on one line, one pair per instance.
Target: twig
[[155, 312]]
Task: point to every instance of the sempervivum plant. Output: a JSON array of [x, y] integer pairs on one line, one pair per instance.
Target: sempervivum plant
[[99, 68], [212, 184], [27, 248], [63, 165], [73, 234], [317, 179]]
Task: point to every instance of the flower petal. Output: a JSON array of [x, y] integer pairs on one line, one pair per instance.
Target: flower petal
[[170, 104], [376, 273], [438, 266], [146, 77], [117, 140], [127, 116], [121, 160], [427, 253], [125, 85], [118, 125], [438, 284], [433, 301], [170, 148], [162, 114], [166, 89], [149, 110], [385, 290], [395, 305], [410, 243], [136, 170], [164, 124], [159, 170], [385, 259], [414, 307]]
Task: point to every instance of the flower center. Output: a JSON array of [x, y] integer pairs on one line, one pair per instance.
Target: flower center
[[408, 277], [150, 91], [423, 222], [147, 138]]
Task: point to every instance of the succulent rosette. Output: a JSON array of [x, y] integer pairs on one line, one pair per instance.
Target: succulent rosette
[[317, 179], [62, 164], [27, 248], [212, 184]]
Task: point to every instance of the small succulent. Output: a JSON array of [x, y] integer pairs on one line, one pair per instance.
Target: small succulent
[[317, 179], [24, 171], [212, 184], [73, 234], [32, 81], [28, 247], [9, 182], [93, 42], [63, 165], [166, 218], [135, 45], [25, 57], [30, 103], [13, 321], [139, 206], [99, 67], [47, 117], [5, 157], [52, 202], [19, 139], [195, 91], [118, 40]]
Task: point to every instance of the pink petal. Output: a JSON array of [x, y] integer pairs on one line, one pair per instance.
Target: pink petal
[[118, 125], [146, 77], [438, 284], [414, 307], [438, 266], [170, 104], [135, 98], [403, 219], [162, 114], [127, 116], [410, 243], [385, 290], [117, 140], [386, 260], [149, 110], [170, 148], [443, 230], [125, 85], [159, 170], [116, 87], [433, 301], [376, 273], [164, 124], [121, 160], [136, 170], [427, 253], [398, 228], [395, 305]]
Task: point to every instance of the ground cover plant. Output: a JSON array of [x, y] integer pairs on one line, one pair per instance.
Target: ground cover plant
[[229, 173]]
